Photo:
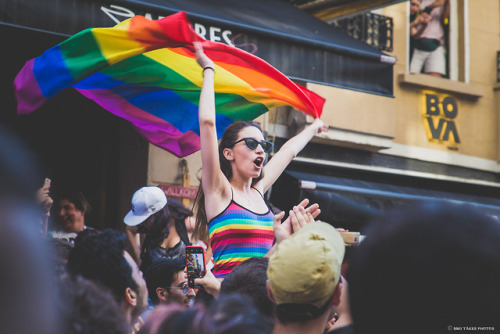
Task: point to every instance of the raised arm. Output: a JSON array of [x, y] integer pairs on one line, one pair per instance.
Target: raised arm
[[212, 177], [288, 151]]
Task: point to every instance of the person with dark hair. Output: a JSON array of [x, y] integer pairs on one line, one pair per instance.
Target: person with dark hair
[[162, 221], [71, 208], [86, 308], [231, 209], [227, 315], [433, 268], [102, 258], [167, 284], [87, 233], [249, 279], [304, 279], [173, 318], [236, 313], [59, 254]]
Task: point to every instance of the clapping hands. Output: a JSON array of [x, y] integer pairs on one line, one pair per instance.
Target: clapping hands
[[298, 217]]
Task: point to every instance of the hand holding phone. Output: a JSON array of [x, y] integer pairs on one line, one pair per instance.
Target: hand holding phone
[[195, 264], [428, 9]]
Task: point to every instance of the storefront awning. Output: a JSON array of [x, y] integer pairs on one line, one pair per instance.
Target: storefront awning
[[329, 9], [294, 41], [351, 203]]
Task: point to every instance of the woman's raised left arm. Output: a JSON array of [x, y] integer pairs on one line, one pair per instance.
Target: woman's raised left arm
[[288, 151]]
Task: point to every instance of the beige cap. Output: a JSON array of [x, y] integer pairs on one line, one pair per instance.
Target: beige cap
[[305, 269]]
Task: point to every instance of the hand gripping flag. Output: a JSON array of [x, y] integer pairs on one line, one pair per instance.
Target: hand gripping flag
[[146, 72]]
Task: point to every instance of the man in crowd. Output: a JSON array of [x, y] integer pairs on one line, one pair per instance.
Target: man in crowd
[[167, 284], [304, 278], [102, 258]]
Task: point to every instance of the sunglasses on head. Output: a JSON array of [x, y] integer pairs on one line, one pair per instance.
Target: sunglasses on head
[[253, 143]]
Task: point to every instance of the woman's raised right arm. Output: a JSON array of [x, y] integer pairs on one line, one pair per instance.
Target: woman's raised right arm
[[212, 176]]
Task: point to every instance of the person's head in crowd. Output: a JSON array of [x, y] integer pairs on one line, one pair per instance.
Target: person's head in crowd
[[59, 252], [88, 233], [235, 313], [173, 318], [86, 307], [425, 270], [228, 314], [249, 279], [149, 208], [304, 278], [103, 259], [166, 283], [153, 214], [414, 7], [71, 208]]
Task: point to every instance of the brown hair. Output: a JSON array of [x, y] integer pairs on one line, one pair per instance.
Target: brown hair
[[227, 141]]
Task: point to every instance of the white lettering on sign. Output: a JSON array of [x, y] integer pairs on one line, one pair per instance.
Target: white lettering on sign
[[177, 191], [119, 14], [215, 34]]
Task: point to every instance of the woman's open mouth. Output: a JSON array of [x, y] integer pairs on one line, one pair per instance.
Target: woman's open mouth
[[258, 162]]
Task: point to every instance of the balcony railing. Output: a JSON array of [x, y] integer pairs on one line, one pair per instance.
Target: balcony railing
[[373, 29]]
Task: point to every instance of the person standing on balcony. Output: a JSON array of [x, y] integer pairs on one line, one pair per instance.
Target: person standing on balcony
[[429, 54]]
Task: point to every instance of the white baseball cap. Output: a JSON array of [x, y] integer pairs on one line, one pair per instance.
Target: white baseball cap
[[145, 202]]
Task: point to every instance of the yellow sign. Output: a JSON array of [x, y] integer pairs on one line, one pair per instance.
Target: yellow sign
[[440, 112]]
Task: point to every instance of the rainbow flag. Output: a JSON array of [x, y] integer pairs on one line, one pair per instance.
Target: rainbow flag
[[146, 72]]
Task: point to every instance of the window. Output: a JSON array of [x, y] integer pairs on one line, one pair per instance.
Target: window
[[455, 38]]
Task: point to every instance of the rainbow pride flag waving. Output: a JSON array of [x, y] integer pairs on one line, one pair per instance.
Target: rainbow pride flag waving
[[146, 72]]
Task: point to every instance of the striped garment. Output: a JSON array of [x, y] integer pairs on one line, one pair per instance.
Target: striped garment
[[434, 29], [237, 234]]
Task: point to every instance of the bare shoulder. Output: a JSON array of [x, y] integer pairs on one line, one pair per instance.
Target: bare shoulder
[[218, 199]]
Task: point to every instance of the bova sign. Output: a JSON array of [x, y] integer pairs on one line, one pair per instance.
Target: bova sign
[[440, 113]]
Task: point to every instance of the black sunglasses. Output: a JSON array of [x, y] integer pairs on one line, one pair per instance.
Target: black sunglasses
[[253, 143]]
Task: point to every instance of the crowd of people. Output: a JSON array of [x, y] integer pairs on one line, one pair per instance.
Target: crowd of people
[[430, 269]]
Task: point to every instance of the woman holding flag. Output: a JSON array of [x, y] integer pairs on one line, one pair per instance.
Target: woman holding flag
[[232, 211]]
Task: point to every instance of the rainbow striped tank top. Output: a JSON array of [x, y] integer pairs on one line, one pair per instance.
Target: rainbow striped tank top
[[237, 234]]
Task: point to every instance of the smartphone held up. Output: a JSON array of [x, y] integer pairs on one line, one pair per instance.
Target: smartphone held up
[[195, 264]]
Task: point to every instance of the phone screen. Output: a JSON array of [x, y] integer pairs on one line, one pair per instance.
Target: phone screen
[[195, 264]]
